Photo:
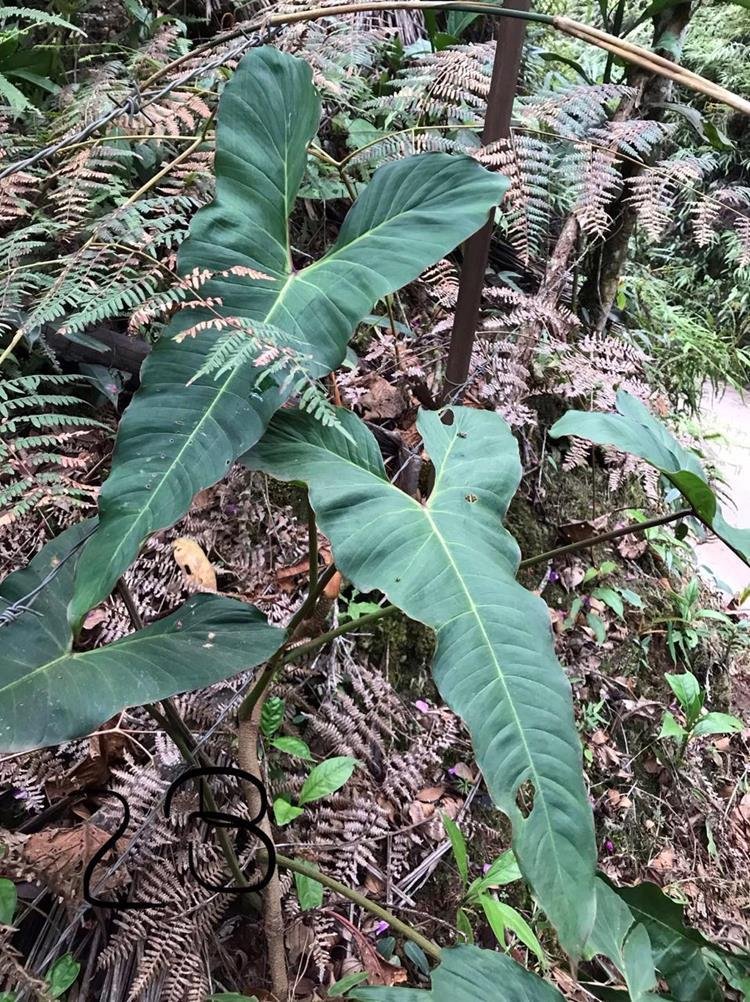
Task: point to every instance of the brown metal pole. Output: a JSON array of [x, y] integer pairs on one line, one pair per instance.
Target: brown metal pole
[[510, 34]]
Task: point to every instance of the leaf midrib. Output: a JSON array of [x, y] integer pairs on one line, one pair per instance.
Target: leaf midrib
[[539, 789], [425, 512], [125, 642], [289, 282]]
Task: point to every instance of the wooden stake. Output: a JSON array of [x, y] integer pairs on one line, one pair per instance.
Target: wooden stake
[[510, 35]]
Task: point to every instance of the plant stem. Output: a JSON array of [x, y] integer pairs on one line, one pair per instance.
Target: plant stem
[[258, 691], [312, 599], [497, 119], [312, 548], [287, 655], [605, 537], [171, 721], [299, 866], [273, 916], [293, 653]]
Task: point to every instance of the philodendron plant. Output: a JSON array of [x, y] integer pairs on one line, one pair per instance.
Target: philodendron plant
[[448, 563]]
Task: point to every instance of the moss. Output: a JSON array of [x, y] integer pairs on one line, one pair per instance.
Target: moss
[[532, 534], [408, 647], [576, 495]]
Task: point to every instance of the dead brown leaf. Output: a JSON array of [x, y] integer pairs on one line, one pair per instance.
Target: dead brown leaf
[[464, 771], [379, 971], [382, 400], [60, 855], [576, 532], [631, 547], [419, 812], [430, 794], [94, 618], [663, 862]]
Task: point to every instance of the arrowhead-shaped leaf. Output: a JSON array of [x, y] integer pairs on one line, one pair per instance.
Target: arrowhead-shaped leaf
[[176, 438], [635, 429], [469, 974], [48, 694], [452, 565]]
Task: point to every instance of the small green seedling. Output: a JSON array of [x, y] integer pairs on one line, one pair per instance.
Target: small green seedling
[[324, 779], [614, 596], [687, 623], [691, 698], [62, 975], [481, 893]]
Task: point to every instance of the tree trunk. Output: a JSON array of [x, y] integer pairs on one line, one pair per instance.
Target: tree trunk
[[599, 291]]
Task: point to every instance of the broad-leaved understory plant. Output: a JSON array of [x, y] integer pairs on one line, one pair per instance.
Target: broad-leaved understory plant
[[252, 333]]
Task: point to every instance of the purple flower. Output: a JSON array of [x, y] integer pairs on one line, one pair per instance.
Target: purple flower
[[609, 846], [486, 868], [422, 706], [381, 927], [554, 577]]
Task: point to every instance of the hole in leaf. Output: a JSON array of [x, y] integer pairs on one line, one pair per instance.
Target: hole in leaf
[[525, 798], [447, 417], [471, 498]]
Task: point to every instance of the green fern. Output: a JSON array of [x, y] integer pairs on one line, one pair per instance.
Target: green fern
[[39, 432]]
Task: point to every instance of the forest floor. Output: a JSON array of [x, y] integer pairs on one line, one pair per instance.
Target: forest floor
[[684, 825]]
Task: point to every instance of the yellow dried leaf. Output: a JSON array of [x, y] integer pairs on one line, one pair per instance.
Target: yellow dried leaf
[[194, 563]]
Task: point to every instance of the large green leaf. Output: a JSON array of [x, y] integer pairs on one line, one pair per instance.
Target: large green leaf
[[452, 565], [680, 953], [48, 694], [635, 429], [469, 974], [175, 438], [617, 935]]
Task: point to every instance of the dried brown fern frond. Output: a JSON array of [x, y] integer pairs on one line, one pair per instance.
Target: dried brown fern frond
[[14, 976], [192, 178], [449, 86], [340, 50], [522, 309], [405, 143], [171, 944], [657, 190], [161, 48], [596, 181], [527, 162], [593, 368], [84, 101], [724, 208], [17, 193], [441, 283], [574, 111], [180, 112], [83, 179]]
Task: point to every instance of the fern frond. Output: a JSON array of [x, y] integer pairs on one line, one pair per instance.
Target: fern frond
[[574, 111], [595, 179], [39, 433], [724, 208], [656, 191], [526, 209], [447, 86]]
